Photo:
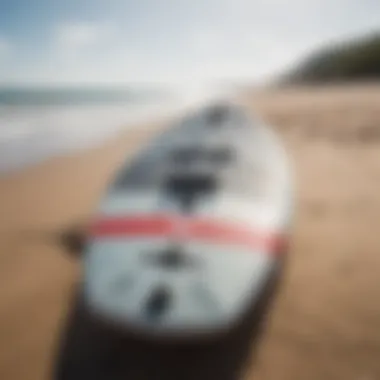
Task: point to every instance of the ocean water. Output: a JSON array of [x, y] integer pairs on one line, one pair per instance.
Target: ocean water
[[37, 123]]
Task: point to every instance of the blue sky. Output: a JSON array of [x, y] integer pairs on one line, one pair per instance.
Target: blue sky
[[168, 41]]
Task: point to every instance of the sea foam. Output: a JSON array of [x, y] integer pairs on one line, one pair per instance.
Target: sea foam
[[31, 133]]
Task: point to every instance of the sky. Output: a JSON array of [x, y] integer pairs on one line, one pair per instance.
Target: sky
[[169, 41]]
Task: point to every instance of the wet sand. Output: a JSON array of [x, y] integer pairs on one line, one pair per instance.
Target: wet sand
[[326, 321]]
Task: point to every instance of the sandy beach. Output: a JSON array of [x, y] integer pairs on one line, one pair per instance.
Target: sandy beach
[[325, 323]]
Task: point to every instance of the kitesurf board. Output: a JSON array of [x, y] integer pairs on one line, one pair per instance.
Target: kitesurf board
[[188, 242], [191, 229]]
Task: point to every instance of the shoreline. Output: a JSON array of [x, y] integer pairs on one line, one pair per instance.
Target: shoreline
[[21, 149], [32, 135]]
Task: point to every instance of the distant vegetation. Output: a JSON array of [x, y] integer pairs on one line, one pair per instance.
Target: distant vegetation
[[355, 60]]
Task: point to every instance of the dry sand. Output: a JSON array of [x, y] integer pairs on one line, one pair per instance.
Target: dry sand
[[326, 320]]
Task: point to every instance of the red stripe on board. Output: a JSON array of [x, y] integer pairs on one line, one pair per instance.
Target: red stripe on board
[[133, 226], [225, 233], [194, 228]]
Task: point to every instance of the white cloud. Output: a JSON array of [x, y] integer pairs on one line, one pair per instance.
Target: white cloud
[[78, 44], [76, 35]]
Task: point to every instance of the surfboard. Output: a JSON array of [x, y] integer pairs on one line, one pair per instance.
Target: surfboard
[[190, 230]]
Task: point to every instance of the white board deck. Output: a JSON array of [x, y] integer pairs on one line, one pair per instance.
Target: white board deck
[[188, 232]]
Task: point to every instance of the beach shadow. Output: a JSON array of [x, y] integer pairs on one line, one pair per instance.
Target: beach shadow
[[88, 351]]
